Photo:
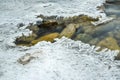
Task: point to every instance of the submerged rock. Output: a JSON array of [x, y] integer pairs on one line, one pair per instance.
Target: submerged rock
[[110, 43], [49, 37], [68, 31], [83, 37], [94, 41], [25, 59]]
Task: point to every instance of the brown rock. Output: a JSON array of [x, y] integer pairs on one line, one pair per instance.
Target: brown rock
[[110, 43], [68, 31], [48, 37], [48, 23]]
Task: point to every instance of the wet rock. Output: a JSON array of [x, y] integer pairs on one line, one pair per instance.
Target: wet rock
[[59, 28], [110, 43], [48, 23], [68, 27], [94, 41], [68, 31], [102, 30], [117, 34], [113, 1], [89, 30], [84, 37], [47, 26], [20, 25], [38, 23], [118, 56], [25, 39], [79, 30], [49, 37], [33, 28]]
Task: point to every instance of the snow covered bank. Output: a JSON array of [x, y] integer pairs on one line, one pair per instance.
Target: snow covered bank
[[25, 10], [63, 60]]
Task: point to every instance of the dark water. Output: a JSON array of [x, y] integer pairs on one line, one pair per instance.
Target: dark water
[[97, 34], [111, 29]]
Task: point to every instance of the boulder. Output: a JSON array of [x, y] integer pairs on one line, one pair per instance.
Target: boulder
[[68, 31], [49, 37], [84, 37], [94, 41], [110, 43]]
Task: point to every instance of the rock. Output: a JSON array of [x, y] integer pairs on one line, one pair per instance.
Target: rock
[[94, 41], [38, 23], [102, 21], [49, 37], [118, 56], [79, 30], [115, 33], [112, 1], [48, 26], [89, 29], [102, 30], [48, 23], [25, 59], [68, 31], [84, 37], [28, 57], [33, 28], [20, 25], [110, 43], [59, 28], [25, 39]]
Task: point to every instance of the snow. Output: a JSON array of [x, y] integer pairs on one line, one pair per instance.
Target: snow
[[15, 11], [63, 60]]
